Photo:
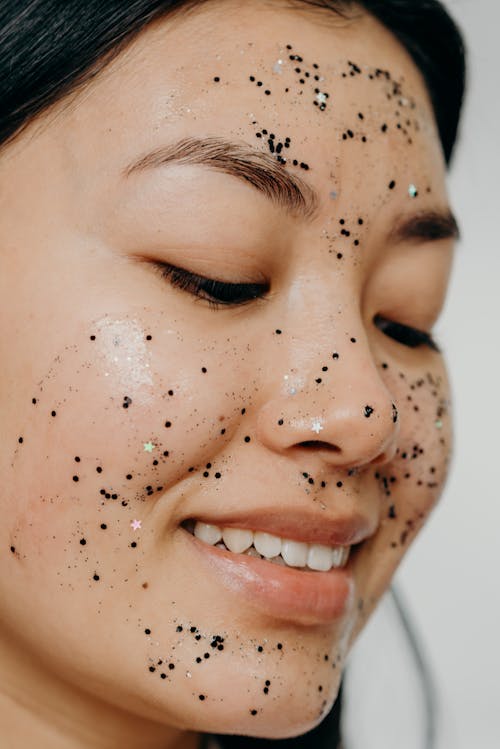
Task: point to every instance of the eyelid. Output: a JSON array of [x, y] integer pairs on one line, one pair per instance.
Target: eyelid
[[405, 334], [205, 288]]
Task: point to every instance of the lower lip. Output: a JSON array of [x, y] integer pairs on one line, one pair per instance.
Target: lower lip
[[306, 597]]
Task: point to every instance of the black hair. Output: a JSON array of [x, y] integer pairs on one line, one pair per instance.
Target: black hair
[[50, 49]]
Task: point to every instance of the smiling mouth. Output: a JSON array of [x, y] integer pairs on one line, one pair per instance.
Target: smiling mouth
[[271, 548]]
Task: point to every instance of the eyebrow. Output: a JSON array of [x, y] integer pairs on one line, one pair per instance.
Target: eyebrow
[[286, 190], [426, 226], [261, 170]]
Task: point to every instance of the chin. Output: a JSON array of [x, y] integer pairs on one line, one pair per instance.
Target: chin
[[292, 711]]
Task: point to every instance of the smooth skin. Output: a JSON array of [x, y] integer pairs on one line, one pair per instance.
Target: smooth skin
[[79, 298]]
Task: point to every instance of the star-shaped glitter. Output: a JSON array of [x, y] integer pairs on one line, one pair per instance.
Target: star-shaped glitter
[[135, 524], [317, 427], [321, 97], [148, 447]]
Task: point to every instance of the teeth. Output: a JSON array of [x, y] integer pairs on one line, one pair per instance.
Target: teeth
[[282, 551], [340, 555], [266, 544], [319, 557], [210, 534], [294, 553], [237, 540], [278, 560], [252, 552]]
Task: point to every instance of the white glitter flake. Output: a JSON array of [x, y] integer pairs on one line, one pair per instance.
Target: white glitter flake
[[317, 426]]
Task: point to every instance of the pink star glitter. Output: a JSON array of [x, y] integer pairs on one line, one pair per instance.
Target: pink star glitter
[[135, 524]]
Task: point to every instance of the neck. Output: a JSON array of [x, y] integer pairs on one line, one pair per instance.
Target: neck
[[38, 708]]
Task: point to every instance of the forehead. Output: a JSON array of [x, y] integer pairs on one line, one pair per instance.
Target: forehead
[[337, 98]]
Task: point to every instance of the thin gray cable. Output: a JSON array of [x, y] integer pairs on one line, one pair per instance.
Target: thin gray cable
[[428, 685]]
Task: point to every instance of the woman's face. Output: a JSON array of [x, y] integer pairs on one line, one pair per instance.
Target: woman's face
[[295, 154]]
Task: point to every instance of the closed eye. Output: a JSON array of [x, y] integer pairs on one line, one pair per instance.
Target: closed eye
[[404, 334], [216, 293]]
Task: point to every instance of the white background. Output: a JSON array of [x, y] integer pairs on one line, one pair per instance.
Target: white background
[[451, 575]]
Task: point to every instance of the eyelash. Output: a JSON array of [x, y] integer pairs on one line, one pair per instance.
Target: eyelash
[[223, 294], [408, 336], [216, 293]]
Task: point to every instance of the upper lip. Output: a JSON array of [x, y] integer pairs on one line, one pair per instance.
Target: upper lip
[[305, 526]]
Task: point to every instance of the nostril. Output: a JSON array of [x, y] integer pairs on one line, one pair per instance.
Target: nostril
[[319, 444]]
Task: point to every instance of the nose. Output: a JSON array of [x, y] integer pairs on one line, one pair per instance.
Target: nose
[[348, 419]]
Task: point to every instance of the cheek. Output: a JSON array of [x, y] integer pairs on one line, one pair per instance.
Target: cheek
[[418, 474], [125, 411], [411, 485]]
